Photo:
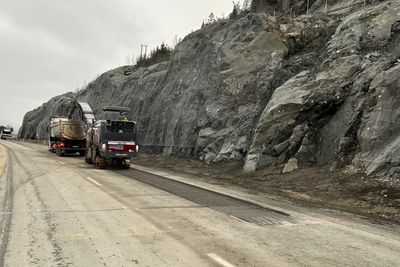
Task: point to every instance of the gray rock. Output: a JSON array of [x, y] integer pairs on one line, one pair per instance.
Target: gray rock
[[290, 166], [279, 148]]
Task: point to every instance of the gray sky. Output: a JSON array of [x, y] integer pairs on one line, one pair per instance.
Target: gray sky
[[48, 47]]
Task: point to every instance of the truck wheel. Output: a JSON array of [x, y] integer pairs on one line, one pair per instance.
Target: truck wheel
[[59, 153], [126, 164], [100, 162]]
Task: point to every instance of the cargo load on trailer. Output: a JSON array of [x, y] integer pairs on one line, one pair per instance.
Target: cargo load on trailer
[[112, 142], [66, 136]]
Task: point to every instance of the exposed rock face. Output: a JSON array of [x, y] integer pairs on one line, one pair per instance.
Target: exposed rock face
[[36, 121], [342, 110], [209, 96], [316, 90]]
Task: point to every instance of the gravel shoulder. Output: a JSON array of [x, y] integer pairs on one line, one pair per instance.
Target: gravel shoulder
[[345, 190]]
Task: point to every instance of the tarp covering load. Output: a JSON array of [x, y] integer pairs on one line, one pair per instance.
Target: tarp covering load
[[63, 128]]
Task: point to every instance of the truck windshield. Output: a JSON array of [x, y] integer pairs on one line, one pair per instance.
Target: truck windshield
[[121, 127]]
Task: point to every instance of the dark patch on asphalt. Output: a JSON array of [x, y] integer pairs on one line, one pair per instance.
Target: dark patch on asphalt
[[236, 208]]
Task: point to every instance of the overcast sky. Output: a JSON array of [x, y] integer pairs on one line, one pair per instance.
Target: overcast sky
[[49, 47]]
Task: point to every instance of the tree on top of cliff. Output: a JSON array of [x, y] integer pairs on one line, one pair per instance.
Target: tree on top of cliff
[[239, 10], [235, 12], [159, 54], [211, 18]]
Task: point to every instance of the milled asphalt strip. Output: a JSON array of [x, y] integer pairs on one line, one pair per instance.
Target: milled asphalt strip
[[222, 203], [220, 260], [306, 218], [7, 206], [212, 189]]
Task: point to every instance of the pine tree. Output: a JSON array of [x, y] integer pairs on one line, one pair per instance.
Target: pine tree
[[235, 11], [211, 18]]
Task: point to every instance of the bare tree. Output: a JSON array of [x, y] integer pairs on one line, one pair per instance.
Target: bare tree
[[130, 59], [176, 41]]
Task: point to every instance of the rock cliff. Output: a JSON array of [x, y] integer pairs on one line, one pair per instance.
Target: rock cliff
[[321, 89]]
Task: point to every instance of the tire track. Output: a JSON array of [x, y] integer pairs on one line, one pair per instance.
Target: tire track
[[7, 207], [28, 177]]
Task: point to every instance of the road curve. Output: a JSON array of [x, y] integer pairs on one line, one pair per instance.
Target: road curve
[[62, 212]]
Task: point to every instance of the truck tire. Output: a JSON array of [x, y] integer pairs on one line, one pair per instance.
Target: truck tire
[[100, 162], [125, 165], [59, 153]]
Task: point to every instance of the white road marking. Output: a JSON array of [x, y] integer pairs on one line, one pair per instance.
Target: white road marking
[[237, 219], [93, 181], [220, 260], [59, 161]]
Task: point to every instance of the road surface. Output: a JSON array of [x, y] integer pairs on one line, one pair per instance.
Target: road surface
[[59, 211]]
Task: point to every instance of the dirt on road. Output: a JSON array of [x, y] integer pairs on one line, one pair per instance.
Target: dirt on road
[[346, 190]]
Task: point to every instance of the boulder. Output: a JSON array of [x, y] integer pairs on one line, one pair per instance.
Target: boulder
[[290, 166]]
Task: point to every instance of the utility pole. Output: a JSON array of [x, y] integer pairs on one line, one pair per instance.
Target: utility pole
[[308, 5], [145, 51]]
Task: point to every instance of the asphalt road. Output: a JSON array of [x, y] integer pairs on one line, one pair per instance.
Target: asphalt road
[[63, 212]]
